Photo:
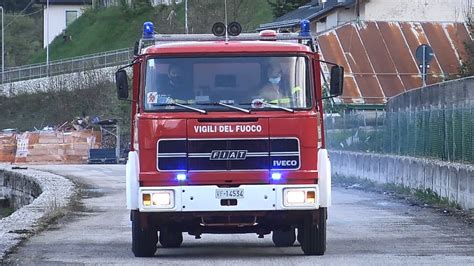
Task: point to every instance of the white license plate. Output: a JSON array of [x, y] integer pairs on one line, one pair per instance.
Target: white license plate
[[231, 193]]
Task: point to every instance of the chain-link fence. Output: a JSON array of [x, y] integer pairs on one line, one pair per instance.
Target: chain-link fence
[[446, 134]]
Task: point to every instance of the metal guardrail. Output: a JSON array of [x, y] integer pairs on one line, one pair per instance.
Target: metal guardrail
[[69, 65]]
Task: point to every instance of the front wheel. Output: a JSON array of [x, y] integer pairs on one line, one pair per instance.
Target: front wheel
[[284, 238], [314, 234], [170, 238], [144, 240]]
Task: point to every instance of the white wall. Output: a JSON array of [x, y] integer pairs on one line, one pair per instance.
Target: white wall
[[402, 10], [57, 20], [338, 17], [331, 21], [417, 10]]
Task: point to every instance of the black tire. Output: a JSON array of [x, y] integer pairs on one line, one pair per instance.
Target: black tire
[[144, 240], [284, 238], [314, 234], [170, 238]]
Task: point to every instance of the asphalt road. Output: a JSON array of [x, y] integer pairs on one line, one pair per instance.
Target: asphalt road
[[363, 228]]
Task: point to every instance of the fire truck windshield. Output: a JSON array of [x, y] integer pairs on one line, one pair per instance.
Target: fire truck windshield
[[215, 83]]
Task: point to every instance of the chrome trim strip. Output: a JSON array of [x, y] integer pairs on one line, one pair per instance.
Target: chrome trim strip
[[296, 153], [228, 139], [167, 155]]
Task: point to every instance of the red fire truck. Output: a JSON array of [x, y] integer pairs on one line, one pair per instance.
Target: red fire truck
[[227, 137]]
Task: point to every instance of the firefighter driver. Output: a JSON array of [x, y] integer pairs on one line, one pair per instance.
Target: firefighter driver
[[177, 87]]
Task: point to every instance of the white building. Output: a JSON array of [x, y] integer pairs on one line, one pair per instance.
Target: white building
[[106, 3], [327, 14], [164, 2], [64, 12], [61, 13]]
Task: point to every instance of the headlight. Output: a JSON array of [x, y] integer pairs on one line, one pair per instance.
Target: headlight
[[295, 196], [159, 199], [303, 197]]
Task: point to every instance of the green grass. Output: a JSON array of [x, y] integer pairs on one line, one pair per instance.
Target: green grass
[[100, 30]]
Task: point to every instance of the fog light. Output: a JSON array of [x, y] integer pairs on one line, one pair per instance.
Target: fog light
[[295, 196], [146, 199], [161, 198], [310, 197]]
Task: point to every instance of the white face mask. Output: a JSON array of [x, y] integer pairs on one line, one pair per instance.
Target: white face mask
[[275, 81]]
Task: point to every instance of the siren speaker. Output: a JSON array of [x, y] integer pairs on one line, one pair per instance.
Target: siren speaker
[[234, 29], [218, 29]]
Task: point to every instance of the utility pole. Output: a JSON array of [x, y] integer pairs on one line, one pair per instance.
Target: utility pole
[[3, 46], [186, 16], [47, 37], [357, 8]]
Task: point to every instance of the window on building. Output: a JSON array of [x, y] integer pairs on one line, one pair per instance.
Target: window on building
[[71, 15]]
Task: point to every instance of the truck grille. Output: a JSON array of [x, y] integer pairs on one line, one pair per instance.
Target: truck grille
[[228, 154]]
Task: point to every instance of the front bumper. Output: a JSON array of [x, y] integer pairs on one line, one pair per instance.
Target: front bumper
[[255, 198]]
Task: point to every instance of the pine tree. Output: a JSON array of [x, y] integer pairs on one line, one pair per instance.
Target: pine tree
[[467, 67], [281, 7]]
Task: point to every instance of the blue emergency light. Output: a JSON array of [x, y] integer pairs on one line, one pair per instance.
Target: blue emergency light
[[148, 29], [181, 177], [305, 28], [276, 176]]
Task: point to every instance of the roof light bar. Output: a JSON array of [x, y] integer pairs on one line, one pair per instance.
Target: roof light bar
[[241, 37], [268, 34]]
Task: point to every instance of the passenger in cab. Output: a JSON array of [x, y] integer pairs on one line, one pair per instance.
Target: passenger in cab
[[276, 88]]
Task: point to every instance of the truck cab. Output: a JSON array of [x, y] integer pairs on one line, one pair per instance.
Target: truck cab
[[227, 137]]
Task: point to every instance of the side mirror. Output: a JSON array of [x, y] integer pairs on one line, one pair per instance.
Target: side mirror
[[337, 81], [121, 80], [136, 49]]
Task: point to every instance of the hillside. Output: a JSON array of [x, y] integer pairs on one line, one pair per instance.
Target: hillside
[[100, 30]]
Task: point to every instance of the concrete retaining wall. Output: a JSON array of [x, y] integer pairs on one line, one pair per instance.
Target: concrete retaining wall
[[60, 82], [20, 190], [449, 180], [454, 93], [49, 193]]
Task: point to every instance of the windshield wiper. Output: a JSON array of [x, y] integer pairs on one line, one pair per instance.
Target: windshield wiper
[[228, 106], [265, 104], [181, 105]]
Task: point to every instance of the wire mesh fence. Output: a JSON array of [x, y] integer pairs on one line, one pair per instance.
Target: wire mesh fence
[[442, 133]]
